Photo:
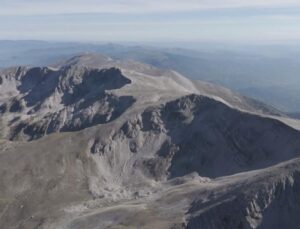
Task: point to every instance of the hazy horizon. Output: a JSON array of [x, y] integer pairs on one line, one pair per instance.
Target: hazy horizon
[[166, 21]]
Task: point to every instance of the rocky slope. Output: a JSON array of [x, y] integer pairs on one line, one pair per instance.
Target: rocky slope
[[98, 143]]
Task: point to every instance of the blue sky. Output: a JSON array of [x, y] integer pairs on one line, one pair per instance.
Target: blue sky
[[238, 21]]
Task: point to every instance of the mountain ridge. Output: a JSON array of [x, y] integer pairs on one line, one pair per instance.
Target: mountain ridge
[[60, 82], [127, 145]]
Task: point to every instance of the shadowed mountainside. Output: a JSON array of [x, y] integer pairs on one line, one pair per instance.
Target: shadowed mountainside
[[99, 143]]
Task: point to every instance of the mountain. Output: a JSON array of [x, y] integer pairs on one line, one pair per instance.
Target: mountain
[[94, 142], [267, 73]]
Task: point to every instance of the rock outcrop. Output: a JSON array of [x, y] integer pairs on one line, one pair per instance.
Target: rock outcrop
[[98, 143]]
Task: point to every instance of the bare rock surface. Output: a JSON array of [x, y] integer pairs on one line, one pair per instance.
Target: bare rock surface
[[98, 143]]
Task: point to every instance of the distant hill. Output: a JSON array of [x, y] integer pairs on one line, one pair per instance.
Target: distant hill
[[272, 78]]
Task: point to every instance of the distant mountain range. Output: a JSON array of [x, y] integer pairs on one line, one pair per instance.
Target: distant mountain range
[[270, 76]]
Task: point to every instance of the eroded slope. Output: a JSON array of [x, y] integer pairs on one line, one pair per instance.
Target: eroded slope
[[136, 147]]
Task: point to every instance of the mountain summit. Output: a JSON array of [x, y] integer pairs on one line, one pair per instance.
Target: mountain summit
[[94, 142]]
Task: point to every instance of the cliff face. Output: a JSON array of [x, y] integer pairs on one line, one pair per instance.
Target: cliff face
[[96, 143], [67, 99]]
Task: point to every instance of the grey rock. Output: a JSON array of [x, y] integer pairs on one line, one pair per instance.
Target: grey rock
[[99, 143]]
